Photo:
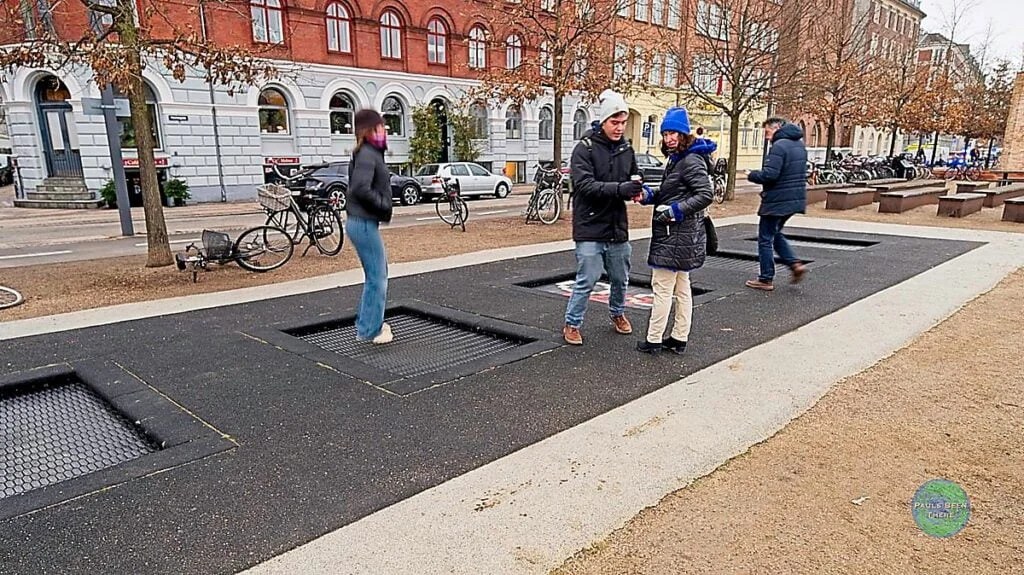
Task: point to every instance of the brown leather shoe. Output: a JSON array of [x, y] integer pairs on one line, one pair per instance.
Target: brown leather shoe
[[572, 335], [622, 325], [798, 270], [758, 284]]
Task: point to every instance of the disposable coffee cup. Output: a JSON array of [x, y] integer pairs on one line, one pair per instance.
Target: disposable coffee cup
[[636, 178]]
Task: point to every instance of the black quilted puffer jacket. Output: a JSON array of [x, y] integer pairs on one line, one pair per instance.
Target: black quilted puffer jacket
[[682, 245]]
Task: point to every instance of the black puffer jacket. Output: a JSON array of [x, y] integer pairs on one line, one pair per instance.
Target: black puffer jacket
[[369, 185], [784, 175], [599, 198], [682, 245]]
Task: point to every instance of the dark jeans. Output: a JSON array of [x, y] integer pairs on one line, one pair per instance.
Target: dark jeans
[[769, 238]]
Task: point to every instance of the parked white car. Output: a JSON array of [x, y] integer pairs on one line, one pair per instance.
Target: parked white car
[[473, 180]]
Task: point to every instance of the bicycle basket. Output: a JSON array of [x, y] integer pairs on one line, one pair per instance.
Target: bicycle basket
[[274, 197], [217, 245]]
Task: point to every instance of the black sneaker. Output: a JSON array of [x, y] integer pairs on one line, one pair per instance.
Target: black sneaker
[[645, 346], [674, 345]]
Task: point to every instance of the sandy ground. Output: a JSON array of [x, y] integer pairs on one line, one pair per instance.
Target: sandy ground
[[948, 406]]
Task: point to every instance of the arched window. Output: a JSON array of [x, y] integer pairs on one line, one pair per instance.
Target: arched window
[[273, 112], [547, 124], [514, 123], [267, 21], [480, 121], [513, 52], [477, 47], [342, 114], [437, 42], [547, 67], [394, 116], [390, 35], [816, 135], [128, 139], [339, 30], [580, 124]]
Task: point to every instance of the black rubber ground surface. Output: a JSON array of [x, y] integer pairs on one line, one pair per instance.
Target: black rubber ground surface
[[318, 450]]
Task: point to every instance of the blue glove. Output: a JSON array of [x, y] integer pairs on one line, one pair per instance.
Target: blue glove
[[646, 198], [670, 213]]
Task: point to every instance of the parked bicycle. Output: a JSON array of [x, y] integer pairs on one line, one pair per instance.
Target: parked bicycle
[[258, 249], [545, 203], [720, 179], [9, 297], [303, 216], [450, 206], [963, 172]]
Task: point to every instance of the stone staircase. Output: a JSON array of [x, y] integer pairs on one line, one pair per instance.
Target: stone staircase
[[60, 193]]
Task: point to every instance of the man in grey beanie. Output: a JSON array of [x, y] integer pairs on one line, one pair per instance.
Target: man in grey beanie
[[603, 165]]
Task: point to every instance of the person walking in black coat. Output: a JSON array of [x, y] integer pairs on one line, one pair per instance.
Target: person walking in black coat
[[784, 193], [678, 238], [369, 204], [603, 165]]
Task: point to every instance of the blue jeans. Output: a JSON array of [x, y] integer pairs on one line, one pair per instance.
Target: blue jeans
[[593, 259], [769, 238], [365, 236]]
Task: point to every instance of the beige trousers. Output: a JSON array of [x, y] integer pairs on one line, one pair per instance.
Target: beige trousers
[[669, 286]]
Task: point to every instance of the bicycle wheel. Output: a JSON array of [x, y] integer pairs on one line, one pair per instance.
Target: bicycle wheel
[[453, 212], [549, 207], [289, 222], [9, 297], [328, 230], [263, 248], [719, 191]]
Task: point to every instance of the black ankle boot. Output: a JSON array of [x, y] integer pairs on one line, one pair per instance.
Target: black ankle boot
[[648, 347], [674, 345]]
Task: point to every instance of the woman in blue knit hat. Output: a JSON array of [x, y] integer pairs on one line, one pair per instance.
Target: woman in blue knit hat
[[678, 239]]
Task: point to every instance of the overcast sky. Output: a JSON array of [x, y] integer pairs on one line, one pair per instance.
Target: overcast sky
[[1006, 16]]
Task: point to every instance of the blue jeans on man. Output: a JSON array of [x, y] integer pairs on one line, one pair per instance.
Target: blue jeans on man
[[365, 236], [592, 260], [771, 239]]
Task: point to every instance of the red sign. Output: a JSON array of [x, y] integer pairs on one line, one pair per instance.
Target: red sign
[[282, 161], [134, 162]]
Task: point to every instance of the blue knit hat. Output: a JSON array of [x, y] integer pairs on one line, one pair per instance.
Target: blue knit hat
[[676, 120]]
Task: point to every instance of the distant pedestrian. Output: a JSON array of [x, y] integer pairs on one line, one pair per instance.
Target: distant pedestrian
[[369, 204], [678, 237], [784, 193], [603, 166]]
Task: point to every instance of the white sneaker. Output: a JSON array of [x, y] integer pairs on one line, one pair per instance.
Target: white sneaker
[[385, 335]]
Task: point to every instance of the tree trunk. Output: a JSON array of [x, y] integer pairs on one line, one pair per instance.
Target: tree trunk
[[892, 146], [935, 147], [988, 155], [156, 229], [831, 138], [559, 114], [734, 146]]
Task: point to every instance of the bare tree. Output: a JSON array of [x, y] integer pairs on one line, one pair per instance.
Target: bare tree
[[733, 62], [120, 45], [896, 87], [561, 46]]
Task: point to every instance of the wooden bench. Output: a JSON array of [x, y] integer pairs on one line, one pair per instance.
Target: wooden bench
[[819, 193], [994, 197], [872, 183], [1013, 210], [970, 187], [903, 186], [899, 201], [960, 205], [848, 198]]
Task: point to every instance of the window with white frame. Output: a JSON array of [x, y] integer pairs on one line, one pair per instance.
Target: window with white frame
[[658, 12], [339, 29], [620, 65], [513, 52], [547, 5], [641, 8], [273, 112], [394, 116], [128, 135], [481, 123], [675, 13], [624, 7], [342, 114], [657, 71], [546, 124], [477, 47], [514, 123], [579, 64], [638, 63], [267, 21], [390, 35], [547, 66], [580, 124], [672, 71], [878, 12], [705, 76], [437, 42], [712, 20]]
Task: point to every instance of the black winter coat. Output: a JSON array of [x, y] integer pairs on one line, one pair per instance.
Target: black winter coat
[[682, 245], [784, 175], [599, 199], [369, 185]]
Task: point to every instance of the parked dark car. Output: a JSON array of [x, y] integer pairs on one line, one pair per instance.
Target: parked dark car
[[651, 168], [331, 181]]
